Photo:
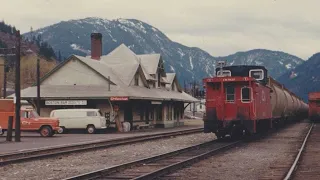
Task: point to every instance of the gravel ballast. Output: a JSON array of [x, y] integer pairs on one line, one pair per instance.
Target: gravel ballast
[[251, 161], [73, 164]]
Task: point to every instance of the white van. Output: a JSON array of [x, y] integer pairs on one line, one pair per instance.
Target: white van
[[89, 119]]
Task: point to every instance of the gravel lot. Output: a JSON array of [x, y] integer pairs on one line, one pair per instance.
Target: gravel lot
[[252, 161], [74, 164]]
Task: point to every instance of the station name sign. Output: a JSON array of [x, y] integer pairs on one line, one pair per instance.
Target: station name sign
[[66, 102], [119, 99]]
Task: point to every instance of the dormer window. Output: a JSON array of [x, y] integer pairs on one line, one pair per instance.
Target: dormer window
[[136, 79], [258, 74], [172, 87]]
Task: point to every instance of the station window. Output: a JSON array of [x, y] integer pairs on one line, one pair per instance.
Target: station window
[[256, 73], [245, 94], [230, 94], [136, 79]]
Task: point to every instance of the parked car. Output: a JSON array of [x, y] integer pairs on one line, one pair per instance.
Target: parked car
[[29, 119], [89, 119]]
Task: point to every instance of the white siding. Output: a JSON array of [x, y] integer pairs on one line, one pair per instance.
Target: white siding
[[74, 72]]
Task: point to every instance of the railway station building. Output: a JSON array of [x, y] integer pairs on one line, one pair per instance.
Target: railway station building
[[128, 87]]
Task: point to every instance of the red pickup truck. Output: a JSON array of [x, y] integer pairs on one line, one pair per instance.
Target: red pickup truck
[[30, 120]]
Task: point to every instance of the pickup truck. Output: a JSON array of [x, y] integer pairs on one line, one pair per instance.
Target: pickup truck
[[30, 120]]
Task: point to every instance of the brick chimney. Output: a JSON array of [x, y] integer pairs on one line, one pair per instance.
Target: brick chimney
[[96, 46]]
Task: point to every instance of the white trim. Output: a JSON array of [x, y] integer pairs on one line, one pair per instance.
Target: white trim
[[251, 95], [223, 71], [259, 70]]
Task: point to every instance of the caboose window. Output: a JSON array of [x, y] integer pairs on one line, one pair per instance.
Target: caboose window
[[230, 94], [224, 73], [245, 94], [256, 73]]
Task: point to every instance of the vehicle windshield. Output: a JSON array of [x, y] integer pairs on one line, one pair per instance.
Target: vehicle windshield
[[100, 113]]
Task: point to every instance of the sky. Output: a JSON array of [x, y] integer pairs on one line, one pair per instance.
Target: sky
[[220, 27]]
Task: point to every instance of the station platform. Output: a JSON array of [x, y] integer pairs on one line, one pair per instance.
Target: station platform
[[30, 141]]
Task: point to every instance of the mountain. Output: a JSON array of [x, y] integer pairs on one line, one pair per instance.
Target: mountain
[[32, 45], [276, 62], [73, 37], [303, 79]]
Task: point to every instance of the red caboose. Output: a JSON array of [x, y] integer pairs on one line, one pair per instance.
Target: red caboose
[[236, 104], [243, 99], [314, 106]]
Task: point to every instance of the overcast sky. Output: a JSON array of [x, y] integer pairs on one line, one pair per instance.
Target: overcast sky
[[221, 27]]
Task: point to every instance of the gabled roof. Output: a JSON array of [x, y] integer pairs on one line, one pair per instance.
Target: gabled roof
[[120, 55], [126, 72], [88, 62], [101, 68], [150, 62], [170, 77]]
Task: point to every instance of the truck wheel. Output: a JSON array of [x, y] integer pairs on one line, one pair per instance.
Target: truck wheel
[[62, 130], [91, 129], [46, 131]]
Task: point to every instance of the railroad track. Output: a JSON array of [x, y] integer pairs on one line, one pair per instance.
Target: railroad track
[[306, 164], [160, 165], [285, 170], [16, 157]]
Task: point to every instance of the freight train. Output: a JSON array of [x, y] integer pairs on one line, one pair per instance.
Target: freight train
[[244, 100], [314, 106]]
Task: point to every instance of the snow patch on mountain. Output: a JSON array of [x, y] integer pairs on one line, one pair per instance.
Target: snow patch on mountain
[[288, 66]]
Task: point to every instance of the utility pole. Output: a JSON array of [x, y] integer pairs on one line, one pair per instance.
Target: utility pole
[[194, 94], [38, 86], [17, 89]]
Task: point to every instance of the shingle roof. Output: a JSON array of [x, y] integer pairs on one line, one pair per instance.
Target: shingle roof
[[120, 55], [150, 62], [92, 92], [126, 72], [170, 77], [101, 68]]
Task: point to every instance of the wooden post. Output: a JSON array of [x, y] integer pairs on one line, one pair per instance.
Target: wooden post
[[9, 130], [17, 91], [38, 86]]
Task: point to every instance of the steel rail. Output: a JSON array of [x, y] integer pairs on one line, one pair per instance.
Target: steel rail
[[16, 157], [118, 168], [294, 165]]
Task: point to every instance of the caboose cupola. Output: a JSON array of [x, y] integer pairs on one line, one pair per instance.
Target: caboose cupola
[[260, 73]]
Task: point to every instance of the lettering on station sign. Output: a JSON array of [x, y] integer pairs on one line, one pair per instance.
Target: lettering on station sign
[[119, 99], [66, 102]]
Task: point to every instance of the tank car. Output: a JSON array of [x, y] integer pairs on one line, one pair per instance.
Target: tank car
[[314, 106], [245, 100]]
